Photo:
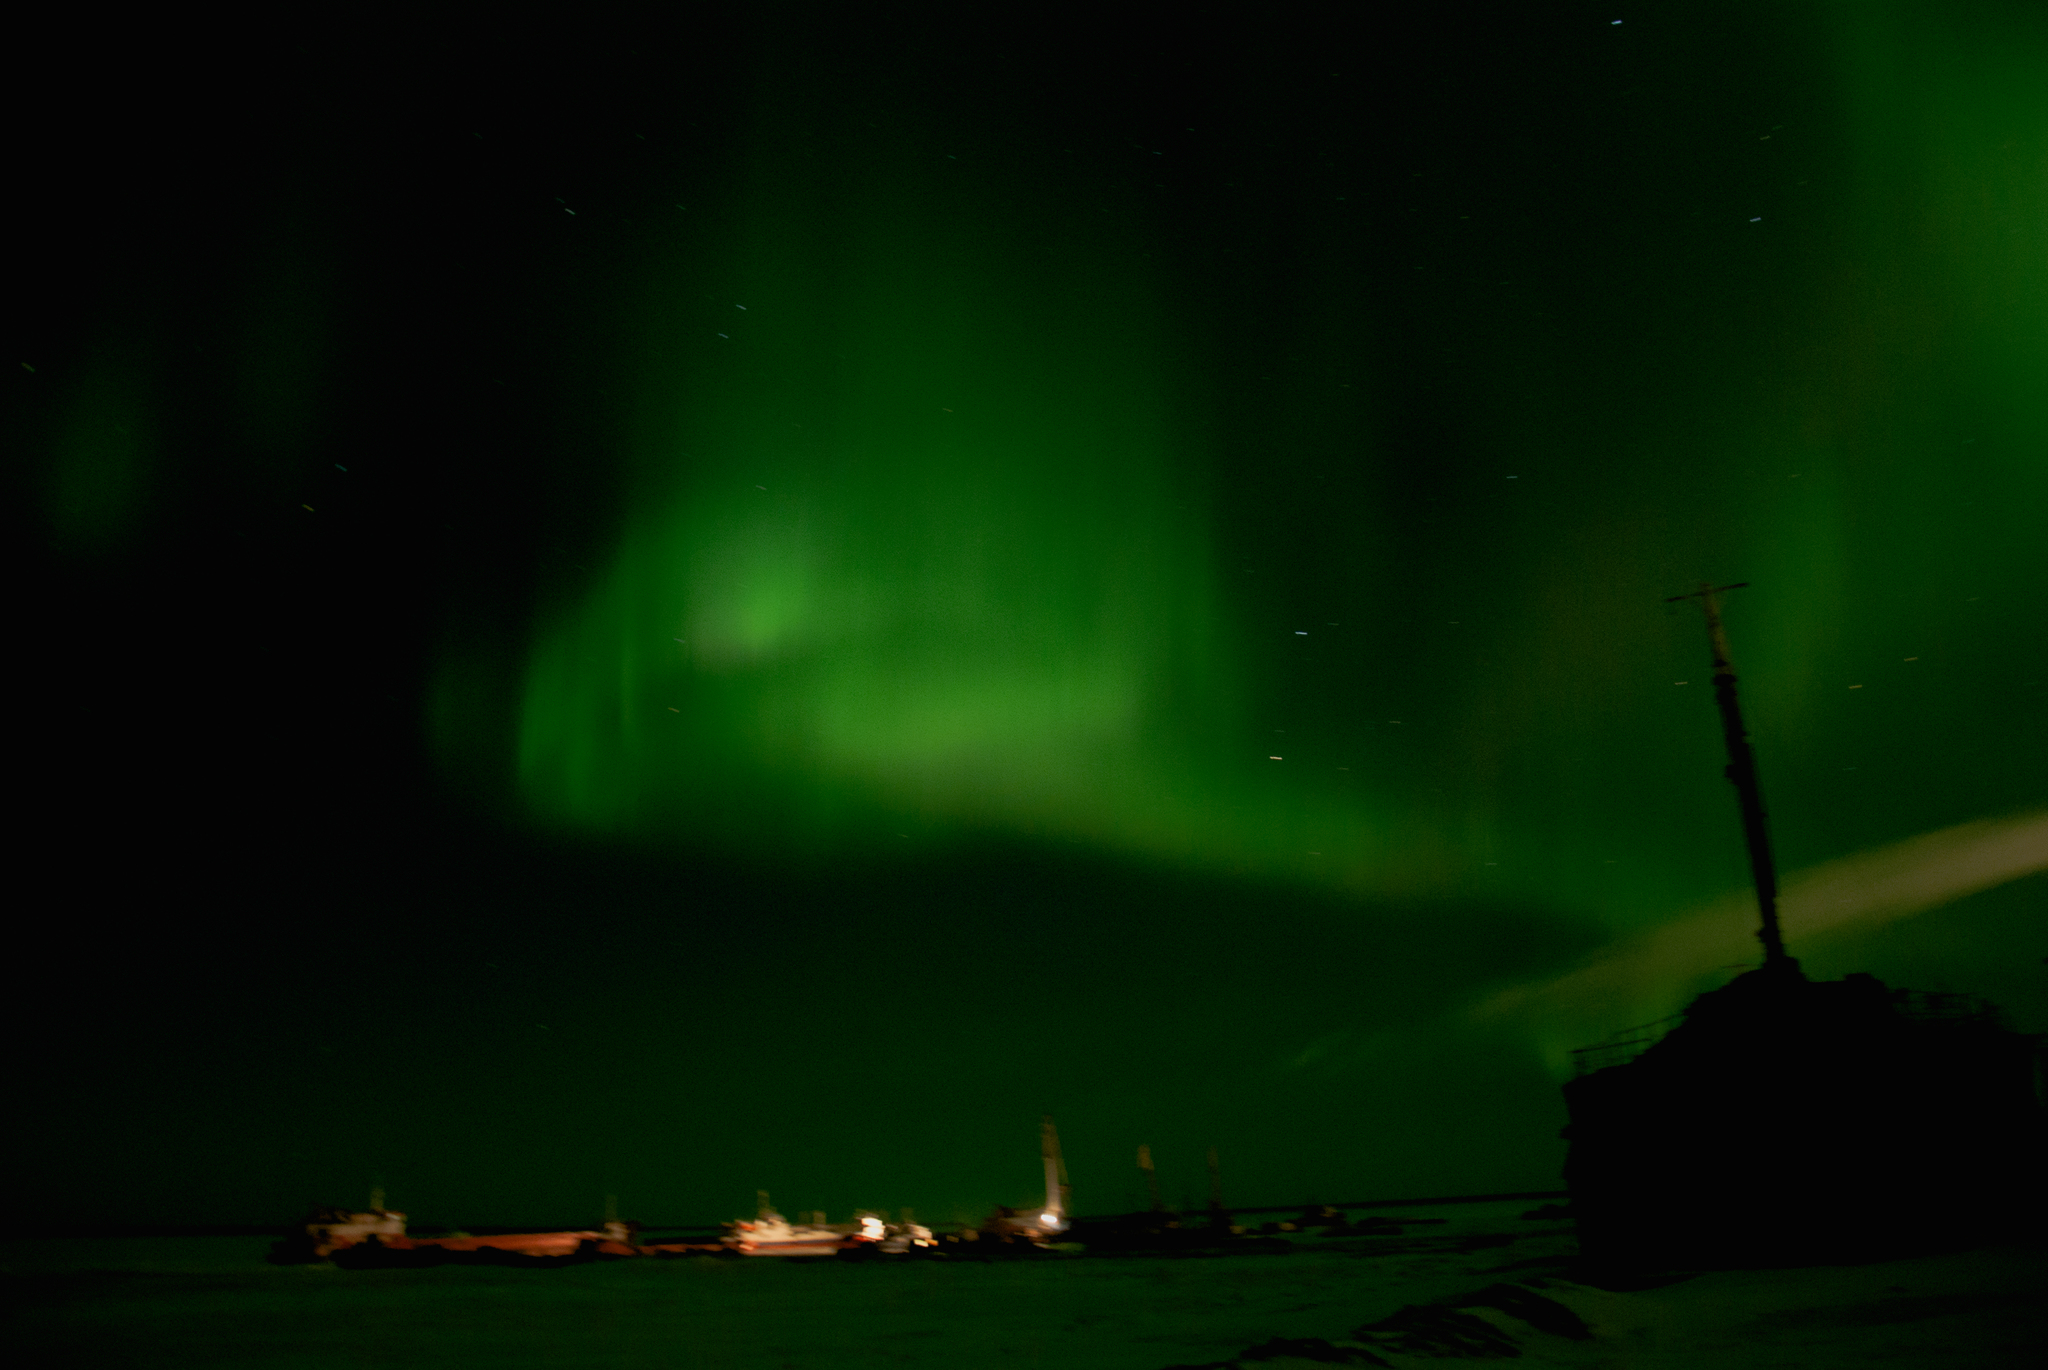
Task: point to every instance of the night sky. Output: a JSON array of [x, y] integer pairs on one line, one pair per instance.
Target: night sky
[[649, 604]]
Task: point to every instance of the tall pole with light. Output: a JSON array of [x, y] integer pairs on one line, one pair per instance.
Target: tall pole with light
[[1054, 1215]]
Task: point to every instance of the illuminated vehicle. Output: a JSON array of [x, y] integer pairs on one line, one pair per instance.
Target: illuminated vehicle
[[905, 1237], [768, 1233], [329, 1230]]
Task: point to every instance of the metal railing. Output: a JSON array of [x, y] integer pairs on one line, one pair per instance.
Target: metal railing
[[1922, 1006], [1940, 1006], [1619, 1048]]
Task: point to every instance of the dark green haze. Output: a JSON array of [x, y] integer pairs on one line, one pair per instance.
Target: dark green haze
[[729, 608]]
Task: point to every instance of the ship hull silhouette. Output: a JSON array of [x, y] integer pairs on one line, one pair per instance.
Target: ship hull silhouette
[[1788, 1121]]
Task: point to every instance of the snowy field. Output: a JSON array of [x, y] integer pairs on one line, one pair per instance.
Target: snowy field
[[213, 1302]]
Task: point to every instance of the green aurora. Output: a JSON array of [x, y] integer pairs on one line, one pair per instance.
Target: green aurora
[[912, 532], [924, 533], [1120, 579]]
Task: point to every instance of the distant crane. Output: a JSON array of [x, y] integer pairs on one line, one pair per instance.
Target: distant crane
[[1151, 1176]]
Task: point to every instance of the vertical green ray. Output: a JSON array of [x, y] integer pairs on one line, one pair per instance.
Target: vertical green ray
[[912, 533]]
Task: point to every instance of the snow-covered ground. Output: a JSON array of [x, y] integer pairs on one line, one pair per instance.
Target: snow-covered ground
[[212, 1302]]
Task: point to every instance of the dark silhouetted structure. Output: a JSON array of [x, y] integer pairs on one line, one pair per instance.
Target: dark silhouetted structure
[[1786, 1121]]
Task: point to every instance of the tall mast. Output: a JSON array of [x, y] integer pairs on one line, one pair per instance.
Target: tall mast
[[1151, 1176], [1742, 774]]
